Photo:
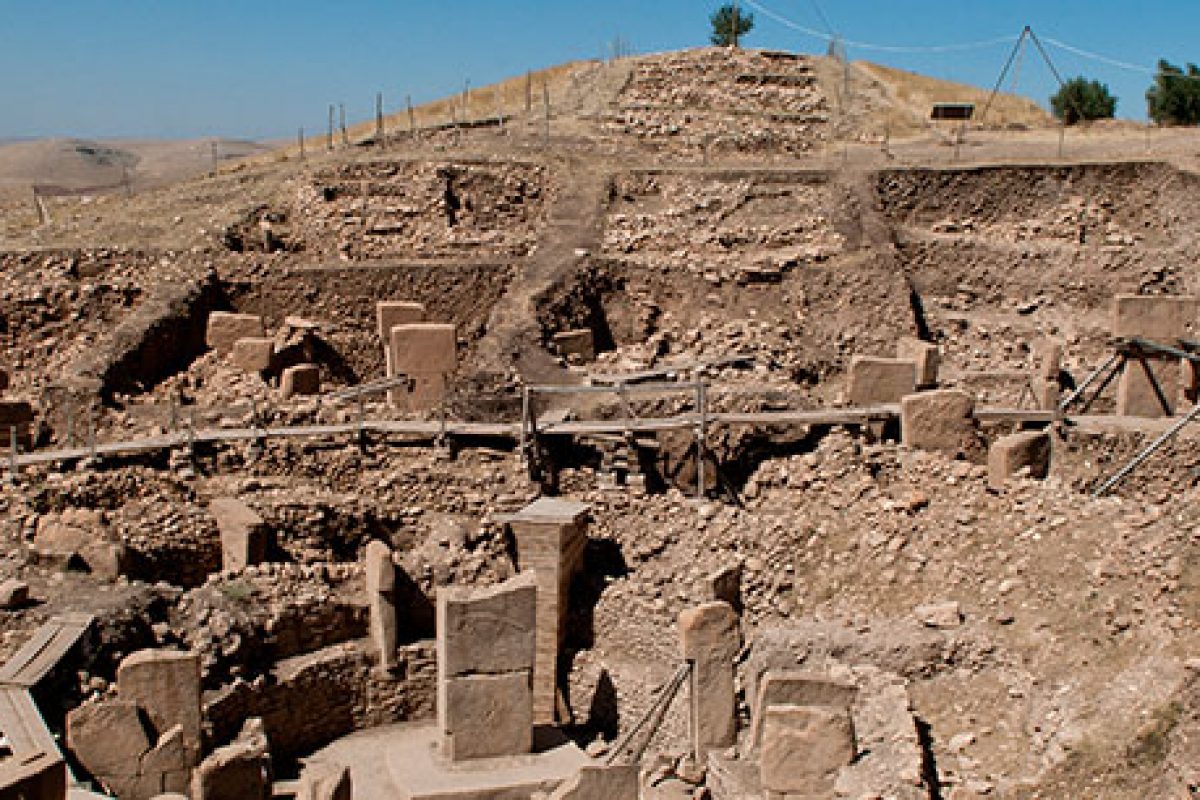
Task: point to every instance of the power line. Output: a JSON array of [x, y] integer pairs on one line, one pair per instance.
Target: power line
[[943, 48]]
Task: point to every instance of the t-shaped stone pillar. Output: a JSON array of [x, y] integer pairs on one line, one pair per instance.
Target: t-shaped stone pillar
[[551, 535], [381, 604], [711, 640]]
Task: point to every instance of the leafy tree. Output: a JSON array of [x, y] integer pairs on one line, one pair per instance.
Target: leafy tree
[[730, 24], [1174, 99], [1081, 100]]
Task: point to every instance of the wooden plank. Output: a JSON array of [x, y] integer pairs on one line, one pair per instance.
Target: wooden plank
[[48, 645], [22, 723], [35, 755]]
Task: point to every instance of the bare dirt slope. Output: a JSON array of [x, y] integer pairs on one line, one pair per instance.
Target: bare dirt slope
[[703, 207]]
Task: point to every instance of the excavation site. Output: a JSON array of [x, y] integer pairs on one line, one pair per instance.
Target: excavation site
[[700, 425]]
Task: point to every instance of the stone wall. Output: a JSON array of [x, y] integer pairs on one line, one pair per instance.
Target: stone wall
[[422, 209], [310, 700]]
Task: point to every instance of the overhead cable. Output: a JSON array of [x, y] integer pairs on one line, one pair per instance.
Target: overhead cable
[[886, 48]]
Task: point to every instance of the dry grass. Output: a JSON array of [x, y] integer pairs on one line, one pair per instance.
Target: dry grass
[[915, 95], [507, 97]]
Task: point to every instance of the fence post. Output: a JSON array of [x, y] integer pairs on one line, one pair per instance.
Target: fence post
[[379, 137], [701, 436], [12, 473]]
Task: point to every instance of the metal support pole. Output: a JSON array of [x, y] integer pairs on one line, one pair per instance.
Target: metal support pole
[[1141, 457], [1083, 387], [1117, 370], [1158, 392]]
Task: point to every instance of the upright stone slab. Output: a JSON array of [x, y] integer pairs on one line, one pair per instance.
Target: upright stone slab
[[804, 747], [1159, 318], [880, 381], [1136, 396], [1008, 455], [426, 353], [577, 346], [486, 641], [301, 379], [390, 314], [489, 630], [253, 354], [925, 355], [166, 684], [601, 782], [244, 535], [424, 348], [796, 688], [486, 716], [941, 420], [321, 780], [710, 642], [421, 393], [225, 328], [551, 535], [381, 602]]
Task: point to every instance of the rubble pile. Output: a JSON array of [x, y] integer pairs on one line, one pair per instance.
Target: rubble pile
[[722, 101], [422, 209], [744, 230]]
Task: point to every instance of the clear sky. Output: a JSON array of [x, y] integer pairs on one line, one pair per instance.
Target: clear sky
[[261, 69]]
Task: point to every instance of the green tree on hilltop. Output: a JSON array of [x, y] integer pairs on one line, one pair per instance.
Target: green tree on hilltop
[[1081, 100], [730, 24], [1174, 99]]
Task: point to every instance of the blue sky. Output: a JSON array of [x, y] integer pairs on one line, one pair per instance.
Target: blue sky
[[257, 69]]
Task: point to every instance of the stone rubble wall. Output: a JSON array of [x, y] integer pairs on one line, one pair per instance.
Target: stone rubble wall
[[310, 700], [360, 212], [723, 102]]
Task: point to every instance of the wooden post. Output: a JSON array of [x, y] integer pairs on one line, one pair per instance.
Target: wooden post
[[523, 443], [701, 436], [342, 124], [213, 149], [379, 118], [412, 118], [300, 141], [329, 140], [12, 433], [91, 433]]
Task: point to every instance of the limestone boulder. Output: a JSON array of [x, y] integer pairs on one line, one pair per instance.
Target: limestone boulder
[[880, 381], [942, 421], [225, 328], [1027, 452], [804, 747]]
